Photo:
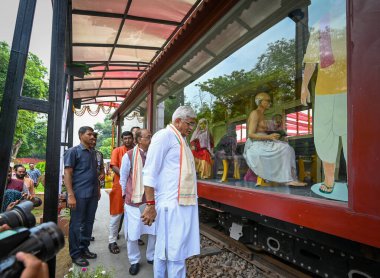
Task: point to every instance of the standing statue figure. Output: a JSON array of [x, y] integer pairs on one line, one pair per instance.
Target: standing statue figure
[[327, 52], [202, 145]]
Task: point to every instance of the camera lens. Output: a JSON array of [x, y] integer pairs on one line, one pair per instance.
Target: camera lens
[[45, 241], [20, 215], [36, 201]]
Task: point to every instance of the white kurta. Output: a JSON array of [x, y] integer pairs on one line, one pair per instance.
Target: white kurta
[[125, 168], [177, 227], [133, 226]]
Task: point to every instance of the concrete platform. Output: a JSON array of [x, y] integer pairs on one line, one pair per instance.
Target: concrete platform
[[118, 263]]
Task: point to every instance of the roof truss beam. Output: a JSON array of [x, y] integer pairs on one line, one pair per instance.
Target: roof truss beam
[[103, 89], [109, 95], [105, 78], [114, 63], [129, 17], [117, 70], [117, 46]]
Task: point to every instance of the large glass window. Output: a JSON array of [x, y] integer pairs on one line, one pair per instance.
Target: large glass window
[[269, 86], [299, 123]]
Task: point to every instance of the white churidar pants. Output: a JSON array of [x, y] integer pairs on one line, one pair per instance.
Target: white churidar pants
[[173, 269], [114, 227], [133, 229], [133, 249]]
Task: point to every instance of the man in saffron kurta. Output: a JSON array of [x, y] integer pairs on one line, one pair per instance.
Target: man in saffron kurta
[[133, 190], [170, 188], [116, 198]]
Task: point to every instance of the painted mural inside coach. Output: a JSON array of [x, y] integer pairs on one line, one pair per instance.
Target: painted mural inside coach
[[270, 84]]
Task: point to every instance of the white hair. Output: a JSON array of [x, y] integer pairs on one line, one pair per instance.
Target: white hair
[[183, 112], [259, 97]]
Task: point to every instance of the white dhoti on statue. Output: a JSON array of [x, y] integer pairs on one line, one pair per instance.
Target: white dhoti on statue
[[271, 160]]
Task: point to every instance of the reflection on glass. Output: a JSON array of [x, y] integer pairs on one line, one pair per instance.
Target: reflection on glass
[[241, 133], [299, 123], [276, 107]]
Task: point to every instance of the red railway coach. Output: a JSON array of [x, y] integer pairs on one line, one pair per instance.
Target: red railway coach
[[310, 69], [228, 53]]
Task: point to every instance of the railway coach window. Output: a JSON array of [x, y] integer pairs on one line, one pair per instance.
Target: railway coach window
[[270, 79]]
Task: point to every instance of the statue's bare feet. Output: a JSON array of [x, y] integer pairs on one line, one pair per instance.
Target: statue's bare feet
[[296, 183]]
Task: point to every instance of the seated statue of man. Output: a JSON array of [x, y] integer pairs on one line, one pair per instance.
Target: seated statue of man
[[265, 154]]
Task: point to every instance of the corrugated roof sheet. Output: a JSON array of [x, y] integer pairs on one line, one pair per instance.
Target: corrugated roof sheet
[[118, 40]]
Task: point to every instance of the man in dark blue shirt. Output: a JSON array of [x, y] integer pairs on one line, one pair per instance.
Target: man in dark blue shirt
[[34, 174], [83, 191]]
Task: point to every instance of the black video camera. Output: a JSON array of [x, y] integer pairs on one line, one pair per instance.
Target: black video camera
[[43, 241]]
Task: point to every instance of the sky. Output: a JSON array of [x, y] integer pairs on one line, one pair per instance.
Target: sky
[[41, 32], [244, 58], [40, 44]]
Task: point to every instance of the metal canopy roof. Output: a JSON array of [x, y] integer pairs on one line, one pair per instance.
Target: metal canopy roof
[[118, 40]]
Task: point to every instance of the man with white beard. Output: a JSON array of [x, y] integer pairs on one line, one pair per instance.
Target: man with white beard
[[171, 195]]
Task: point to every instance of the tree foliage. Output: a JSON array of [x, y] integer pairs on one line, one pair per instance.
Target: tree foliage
[[104, 136], [30, 128], [35, 143], [274, 73], [105, 149]]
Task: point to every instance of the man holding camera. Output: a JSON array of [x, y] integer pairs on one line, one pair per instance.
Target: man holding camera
[[83, 191], [25, 247], [33, 267]]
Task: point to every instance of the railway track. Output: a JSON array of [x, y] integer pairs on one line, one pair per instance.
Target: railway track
[[268, 265]]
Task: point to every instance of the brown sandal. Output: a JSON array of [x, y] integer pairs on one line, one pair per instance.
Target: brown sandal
[[114, 249]]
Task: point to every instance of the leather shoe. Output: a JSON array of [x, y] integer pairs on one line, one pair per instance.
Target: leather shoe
[[134, 269], [89, 255], [150, 262], [81, 262]]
